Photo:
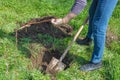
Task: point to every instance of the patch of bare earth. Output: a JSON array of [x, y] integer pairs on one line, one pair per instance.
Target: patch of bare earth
[[111, 37], [40, 56]]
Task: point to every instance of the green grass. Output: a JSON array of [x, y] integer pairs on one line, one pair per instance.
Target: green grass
[[13, 61]]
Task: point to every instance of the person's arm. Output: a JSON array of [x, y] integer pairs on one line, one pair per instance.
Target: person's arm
[[75, 10], [78, 6]]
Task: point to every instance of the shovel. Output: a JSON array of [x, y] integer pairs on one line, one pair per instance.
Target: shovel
[[56, 65]]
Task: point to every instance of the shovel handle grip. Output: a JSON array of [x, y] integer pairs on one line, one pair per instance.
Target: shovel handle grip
[[74, 39]]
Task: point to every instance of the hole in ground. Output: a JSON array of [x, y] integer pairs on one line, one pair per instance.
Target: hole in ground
[[43, 58]]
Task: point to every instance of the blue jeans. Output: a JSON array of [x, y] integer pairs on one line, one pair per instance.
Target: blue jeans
[[100, 13]]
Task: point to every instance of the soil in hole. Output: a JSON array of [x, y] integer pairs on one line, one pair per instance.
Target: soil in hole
[[42, 59]]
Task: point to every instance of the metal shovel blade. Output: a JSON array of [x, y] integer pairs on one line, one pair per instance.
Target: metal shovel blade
[[55, 66]]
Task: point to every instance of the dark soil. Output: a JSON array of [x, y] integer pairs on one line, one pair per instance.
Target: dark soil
[[33, 30]]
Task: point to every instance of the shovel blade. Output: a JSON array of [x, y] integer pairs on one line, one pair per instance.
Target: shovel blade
[[55, 66]]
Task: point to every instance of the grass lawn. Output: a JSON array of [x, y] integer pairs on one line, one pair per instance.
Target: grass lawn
[[14, 61]]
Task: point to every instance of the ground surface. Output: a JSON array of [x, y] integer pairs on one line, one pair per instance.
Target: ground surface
[[25, 56]]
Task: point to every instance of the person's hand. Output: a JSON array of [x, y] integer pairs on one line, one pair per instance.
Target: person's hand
[[57, 21], [64, 20]]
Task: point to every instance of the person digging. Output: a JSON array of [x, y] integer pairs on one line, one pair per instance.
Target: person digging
[[100, 12]]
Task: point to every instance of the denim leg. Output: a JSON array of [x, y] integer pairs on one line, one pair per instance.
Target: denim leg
[[100, 21], [91, 15]]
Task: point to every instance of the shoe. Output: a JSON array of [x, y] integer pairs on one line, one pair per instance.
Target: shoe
[[91, 66], [86, 41]]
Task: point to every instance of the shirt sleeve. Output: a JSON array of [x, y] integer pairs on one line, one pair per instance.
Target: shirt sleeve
[[78, 6]]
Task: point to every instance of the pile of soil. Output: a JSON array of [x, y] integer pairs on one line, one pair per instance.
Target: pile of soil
[[44, 26]]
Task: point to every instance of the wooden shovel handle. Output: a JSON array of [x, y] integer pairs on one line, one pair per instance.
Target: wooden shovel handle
[[74, 39]]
